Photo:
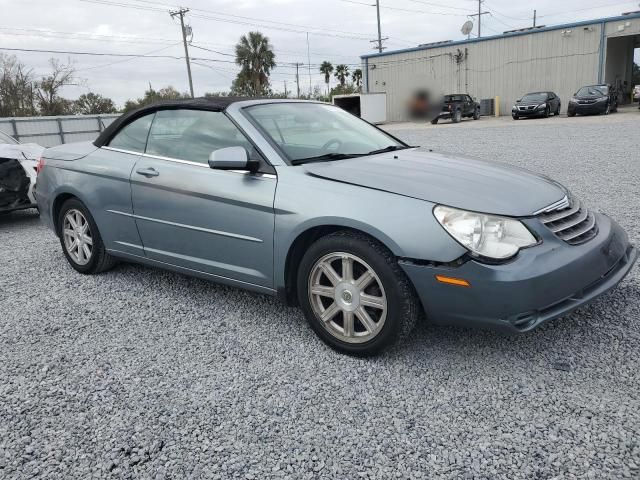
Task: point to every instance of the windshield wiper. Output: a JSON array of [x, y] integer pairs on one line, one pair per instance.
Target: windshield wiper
[[390, 148], [324, 158]]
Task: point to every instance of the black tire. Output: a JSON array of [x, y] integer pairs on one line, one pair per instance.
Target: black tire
[[515, 117], [547, 111], [403, 307], [607, 110], [476, 114], [456, 117], [100, 260], [434, 121], [558, 110], [570, 113]]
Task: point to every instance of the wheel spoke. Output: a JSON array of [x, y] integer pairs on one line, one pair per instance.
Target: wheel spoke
[[322, 291], [347, 269], [80, 253], [68, 232], [366, 320], [364, 280], [371, 301], [72, 221], [330, 312], [331, 274], [85, 228], [87, 252], [87, 240], [347, 319]]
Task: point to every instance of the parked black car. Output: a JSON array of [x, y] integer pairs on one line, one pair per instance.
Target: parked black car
[[458, 106], [536, 104], [594, 99]]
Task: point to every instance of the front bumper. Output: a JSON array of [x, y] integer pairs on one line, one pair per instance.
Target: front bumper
[[536, 112], [588, 109], [542, 283]]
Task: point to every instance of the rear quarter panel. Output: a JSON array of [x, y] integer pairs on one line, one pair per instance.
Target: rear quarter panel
[[101, 181]]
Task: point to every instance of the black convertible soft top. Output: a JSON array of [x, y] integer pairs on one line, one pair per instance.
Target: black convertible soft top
[[214, 104]]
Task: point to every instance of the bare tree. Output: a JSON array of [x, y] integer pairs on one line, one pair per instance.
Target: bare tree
[[16, 88], [48, 89]]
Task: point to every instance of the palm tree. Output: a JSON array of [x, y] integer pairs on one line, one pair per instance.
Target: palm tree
[[356, 76], [342, 73], [255, 55], [327, 69]]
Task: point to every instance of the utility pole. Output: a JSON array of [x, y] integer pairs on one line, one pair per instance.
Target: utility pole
[[379, 29], [379, 41], [479, 15], [181, 13], [286, 94], [309, 63], [298, 79], [534, 18]]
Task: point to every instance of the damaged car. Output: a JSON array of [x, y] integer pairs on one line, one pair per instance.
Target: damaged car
[[18, 163], [307, 202]]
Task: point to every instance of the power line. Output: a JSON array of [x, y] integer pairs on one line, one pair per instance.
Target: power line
[[127, 59], [409, 10], [98, 54]]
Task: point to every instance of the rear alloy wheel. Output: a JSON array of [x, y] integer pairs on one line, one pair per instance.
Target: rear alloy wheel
[[81, 242], [78, 241], [354, 294]]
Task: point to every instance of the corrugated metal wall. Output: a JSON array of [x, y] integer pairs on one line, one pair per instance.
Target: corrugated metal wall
[[559, 60], [52, 131]]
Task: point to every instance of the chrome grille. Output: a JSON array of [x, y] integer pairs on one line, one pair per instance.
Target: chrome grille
[[572, 222]]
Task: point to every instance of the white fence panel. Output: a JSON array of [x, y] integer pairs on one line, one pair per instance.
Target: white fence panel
[[52, 131]]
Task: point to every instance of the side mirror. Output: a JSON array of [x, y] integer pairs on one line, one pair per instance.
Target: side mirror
[[231, 158]]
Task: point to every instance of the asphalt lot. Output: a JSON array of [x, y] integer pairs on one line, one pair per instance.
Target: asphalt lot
[[140, 373]]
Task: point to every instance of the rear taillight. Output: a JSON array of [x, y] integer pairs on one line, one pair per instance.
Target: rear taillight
[[449, 107], [40, 165]]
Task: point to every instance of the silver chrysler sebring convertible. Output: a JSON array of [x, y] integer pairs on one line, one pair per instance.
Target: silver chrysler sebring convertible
[[305, 201]]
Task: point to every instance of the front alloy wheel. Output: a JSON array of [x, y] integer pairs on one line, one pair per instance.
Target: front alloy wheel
[[351, 304], [354, 294]]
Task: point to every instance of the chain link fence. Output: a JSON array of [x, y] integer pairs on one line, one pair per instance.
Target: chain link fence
[[52, 131]]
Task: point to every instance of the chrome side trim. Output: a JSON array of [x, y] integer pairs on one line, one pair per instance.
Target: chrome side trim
[[188, 162], [189, 227], [131, 245], [563, 203]]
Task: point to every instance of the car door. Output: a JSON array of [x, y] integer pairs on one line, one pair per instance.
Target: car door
[[213, 221], [468, 103]]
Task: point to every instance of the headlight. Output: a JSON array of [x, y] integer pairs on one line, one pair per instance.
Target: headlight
[[542, 105], [573, 100], [488, 236], [602, 99]]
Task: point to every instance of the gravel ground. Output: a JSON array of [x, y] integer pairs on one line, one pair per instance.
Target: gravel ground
[[140, 373]]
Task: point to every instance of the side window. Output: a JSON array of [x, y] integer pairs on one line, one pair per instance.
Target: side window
[[193, 134], [133, 136]]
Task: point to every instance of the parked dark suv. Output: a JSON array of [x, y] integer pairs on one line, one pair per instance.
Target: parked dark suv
[[594, 99], [536, 104], [458, 106]]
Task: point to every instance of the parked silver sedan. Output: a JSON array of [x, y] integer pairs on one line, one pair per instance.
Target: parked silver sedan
[[305, 201]]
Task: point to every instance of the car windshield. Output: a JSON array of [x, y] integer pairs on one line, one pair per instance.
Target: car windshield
[[307, 132], [592, 92], [4, 139], [534, 97], [454, 98]]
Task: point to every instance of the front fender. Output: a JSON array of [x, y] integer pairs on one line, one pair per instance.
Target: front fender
[[405, 225]]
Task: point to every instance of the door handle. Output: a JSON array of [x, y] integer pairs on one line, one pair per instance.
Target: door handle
[[148, 172]]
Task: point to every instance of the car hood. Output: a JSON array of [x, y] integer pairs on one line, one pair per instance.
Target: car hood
[[448, 180]]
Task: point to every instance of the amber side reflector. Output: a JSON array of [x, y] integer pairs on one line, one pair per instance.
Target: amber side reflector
[[453, 281]]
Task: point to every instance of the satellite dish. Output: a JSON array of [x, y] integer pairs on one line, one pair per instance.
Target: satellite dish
[[467, 27]]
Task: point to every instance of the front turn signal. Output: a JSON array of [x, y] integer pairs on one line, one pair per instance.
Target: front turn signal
[[459, 282]]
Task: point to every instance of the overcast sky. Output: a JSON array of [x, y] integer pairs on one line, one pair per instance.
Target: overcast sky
[[340, 31]]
